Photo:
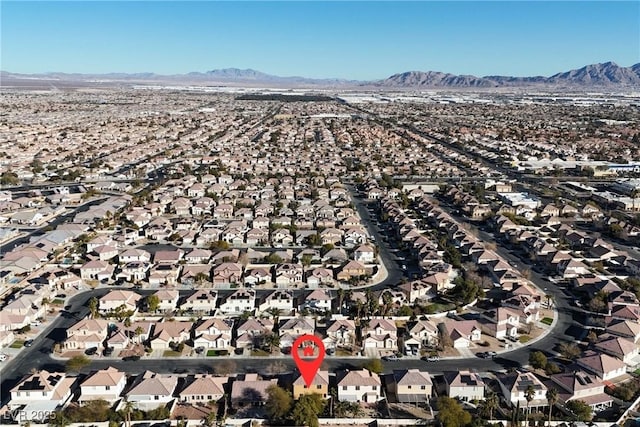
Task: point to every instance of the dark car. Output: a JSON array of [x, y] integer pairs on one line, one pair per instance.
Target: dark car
[[28, 343], [131, 358], [91, 351], [107, 351]]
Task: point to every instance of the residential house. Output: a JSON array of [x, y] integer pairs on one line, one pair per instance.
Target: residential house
[[500, 323], [119, 298], [213, 333], [364, 254], [168, 299], [320, 276], [291, 329], [97, 270], [87, 333], [579, 385], [201, 301], [105, 384], [351, 269], [514, 387], [411, 386], [341, 333], [319, 385], [462, 332], [464, 385], [256, 276], [289, 274], [203, 388], [239, 301], [317, 300], [134, 255], [166, 333], [602, 365], [41, 392], [380, 334], [227, 273], [151, 390], [359, 386], [424, 332], [250, 390], [252, 329], [621, 348], [280, 299]]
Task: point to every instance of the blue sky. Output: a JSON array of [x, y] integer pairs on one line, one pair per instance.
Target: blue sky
[[356, 40]]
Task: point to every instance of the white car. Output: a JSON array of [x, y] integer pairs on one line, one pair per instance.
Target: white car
[[3, 357]]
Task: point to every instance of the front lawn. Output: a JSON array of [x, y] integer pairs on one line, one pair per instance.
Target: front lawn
[[255, 352], [171, 353], [57, 301], [17, 344], [524, 338], [213, 353], [547, 321]]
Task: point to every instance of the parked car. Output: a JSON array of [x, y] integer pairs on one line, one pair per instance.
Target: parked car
[[431, 358], [199, 350], [91, 351], [28, 343], [3, 357], [482, 355], [491, 354], [131, 358], [107, 351], [390, 358]]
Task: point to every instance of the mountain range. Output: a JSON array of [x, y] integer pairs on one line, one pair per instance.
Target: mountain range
[[608, 74]]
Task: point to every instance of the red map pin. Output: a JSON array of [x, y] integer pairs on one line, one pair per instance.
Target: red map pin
[[312, 350]]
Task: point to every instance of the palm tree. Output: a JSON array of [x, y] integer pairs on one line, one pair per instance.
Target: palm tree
[[273, 340], [528, 395], [128, 409], [275, 312], [138, 332], [45, 302], [93, 307], [209, 420], [387, 301], [491, 403], [552, 398], [341, 295]]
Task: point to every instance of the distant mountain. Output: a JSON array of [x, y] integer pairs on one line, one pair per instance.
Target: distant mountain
[[435, 78], [606, 74], [598, 74]]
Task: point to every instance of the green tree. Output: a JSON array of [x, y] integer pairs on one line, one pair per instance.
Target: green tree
[[76, 363], [537, 360], [451, 413], [9, 178], [307, 410], [279, 403], [581, 410], [374, 365], [59, 419], [153, 302], [569, 350]]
